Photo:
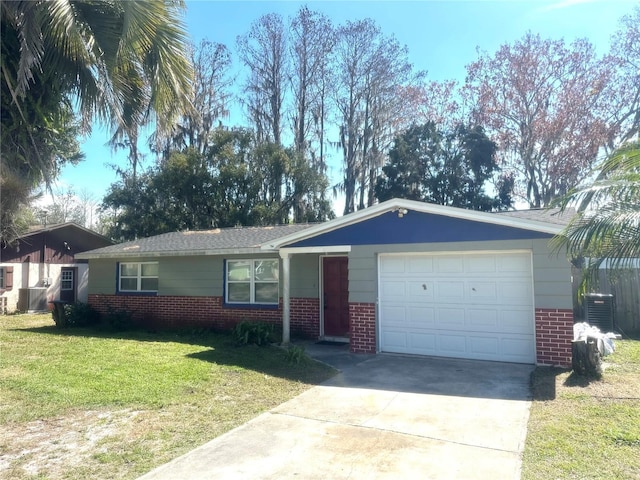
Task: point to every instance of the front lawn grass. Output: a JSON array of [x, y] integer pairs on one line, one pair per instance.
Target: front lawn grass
[[81, 403], [582, 428]]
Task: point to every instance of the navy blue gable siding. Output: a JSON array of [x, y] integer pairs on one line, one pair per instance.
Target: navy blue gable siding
[[417, 227]]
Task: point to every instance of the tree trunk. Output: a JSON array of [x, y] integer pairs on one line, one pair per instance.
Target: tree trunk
[[586, 357]]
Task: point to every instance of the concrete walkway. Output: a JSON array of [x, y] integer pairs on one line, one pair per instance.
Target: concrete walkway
[[382, 417]]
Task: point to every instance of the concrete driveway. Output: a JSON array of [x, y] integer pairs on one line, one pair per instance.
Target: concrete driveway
[[383, 416]]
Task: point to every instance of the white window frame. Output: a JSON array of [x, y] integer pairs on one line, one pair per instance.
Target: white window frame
[[138, 277], [252, 281], [63, 280]]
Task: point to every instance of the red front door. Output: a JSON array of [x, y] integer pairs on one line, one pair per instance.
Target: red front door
[[335, 287]]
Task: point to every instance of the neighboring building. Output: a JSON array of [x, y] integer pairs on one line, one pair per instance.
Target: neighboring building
[[40, 266], [401, 276]]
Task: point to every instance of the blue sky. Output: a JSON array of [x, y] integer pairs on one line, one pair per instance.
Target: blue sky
[[441, 36]]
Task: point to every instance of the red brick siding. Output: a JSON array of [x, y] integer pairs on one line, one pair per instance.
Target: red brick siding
[[362, 318], [208, 312], [305, 317], [554, 333]]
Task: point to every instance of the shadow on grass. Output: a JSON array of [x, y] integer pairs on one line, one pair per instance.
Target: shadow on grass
[[221, 349], [270, 361], [543, 381]]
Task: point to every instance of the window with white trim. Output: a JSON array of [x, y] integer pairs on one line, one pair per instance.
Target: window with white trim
[[138, 277], [66, 280], [252, 281]]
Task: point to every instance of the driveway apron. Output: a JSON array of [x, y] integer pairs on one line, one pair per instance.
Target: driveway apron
[[382, 417]]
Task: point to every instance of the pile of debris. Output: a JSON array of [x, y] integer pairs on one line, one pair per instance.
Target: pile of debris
[[589, 346]]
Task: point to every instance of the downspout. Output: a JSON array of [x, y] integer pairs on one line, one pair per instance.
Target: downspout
[[286, 298]]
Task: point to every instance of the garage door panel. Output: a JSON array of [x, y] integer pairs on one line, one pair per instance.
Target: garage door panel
[[448, 264], [481, 264], [423, 343], [477, 305], [449, 290], [392, 265], [420, 291], [396, 340], [482, 291], [516, 291], [420, 265], [517, 349], [452, 345], [394, 314], [423, 316], [483, 346], [450, 317], [516, 320], [483, 319], [515, 263], [394, 290]]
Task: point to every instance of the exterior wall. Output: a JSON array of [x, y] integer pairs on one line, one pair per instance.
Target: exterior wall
[[191, 294], [551, 274], [551, 278], [38, 275], [200, 276], [554, 333], [102, 279], [305, 272], [552, 289], [170, 311], [305, 317], [362, 317]]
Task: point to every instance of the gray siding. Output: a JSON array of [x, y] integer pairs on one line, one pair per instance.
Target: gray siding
[[305, 275], [202, 276], [102, 277], [190, 276], [552, 274], [551, 277]]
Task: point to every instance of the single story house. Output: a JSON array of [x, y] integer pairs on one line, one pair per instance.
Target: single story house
[[401, 276], [41, 266]]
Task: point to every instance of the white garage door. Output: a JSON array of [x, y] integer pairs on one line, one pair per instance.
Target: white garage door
[[464, 305]]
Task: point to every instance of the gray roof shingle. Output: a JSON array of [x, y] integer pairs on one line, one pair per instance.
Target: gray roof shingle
[[551, 215], [219, 240]]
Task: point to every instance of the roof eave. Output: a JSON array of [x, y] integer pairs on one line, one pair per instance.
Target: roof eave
[[173, 253]]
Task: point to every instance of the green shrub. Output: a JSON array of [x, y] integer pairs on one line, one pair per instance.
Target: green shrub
[[81, 315], [253, 333], [295, 355], [75, 315], [119, 319]]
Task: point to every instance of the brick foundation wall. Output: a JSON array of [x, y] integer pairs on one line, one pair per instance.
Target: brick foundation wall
[[362, 318], [305, 317], [207, 312], [554, 333]]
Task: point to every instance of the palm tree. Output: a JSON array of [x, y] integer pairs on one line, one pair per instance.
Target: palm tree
[[121, 63], [606, 228]]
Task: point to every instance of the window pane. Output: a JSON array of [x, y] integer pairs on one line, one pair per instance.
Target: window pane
[[128, 269], [266, 293], [149, 269], [128, 284], [66, 285], [239, 292], [149, 284], [267, 270], [238, 270]]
